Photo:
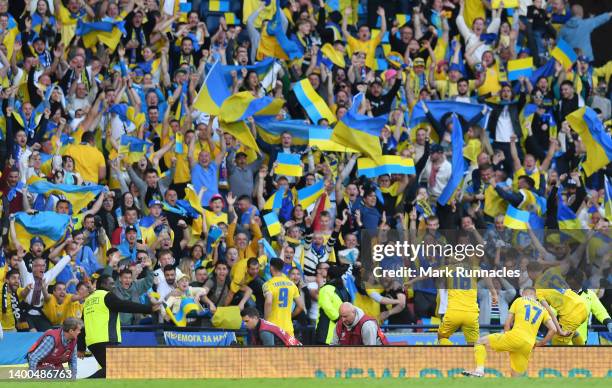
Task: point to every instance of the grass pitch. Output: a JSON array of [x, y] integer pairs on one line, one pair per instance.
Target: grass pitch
[[331, 382]]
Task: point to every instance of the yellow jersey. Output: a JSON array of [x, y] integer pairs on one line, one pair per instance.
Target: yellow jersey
[[552, 287], [55, 312], [7, 320], [528, 316], [283, 293], [462, 292], [214, 219]]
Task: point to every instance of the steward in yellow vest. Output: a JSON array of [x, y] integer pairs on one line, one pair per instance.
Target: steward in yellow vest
[[101, 315]]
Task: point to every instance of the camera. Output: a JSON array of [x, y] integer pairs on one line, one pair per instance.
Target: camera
[[97, 222]]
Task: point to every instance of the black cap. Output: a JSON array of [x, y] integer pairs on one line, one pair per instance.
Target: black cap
[[130, 228], [436, 148]]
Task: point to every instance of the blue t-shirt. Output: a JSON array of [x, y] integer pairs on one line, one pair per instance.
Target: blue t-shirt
[[206, 177]]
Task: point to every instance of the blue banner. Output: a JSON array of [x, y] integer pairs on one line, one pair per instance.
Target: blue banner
[[203, 338], [421, 338], [138, 338]]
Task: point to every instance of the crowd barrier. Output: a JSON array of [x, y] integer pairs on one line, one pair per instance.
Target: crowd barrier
[[345, 362]]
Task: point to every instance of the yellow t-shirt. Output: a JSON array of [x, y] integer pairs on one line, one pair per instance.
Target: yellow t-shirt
[[87, 161], [182, 172], [528, 316], [213, 219], [462, 292], [447, 88], [283, 293], [491, 83], [239, 274], [368, 47], [55, 312]]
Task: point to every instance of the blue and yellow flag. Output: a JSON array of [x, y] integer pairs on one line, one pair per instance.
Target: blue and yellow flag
[[269, 130], [309, 195], [335, 57], [191, 196], [261, 68], [219, 5], [288, 165], [597, 141], [458, 162], [272, 223], [439, 109], [51, 227], [276, 200], [108, 33], [274, 41], [213, 92], [360, 132], [564, 53], [387, 164], [313, 104], [187, 306], [212, 239], [320, 137], [134, 148], [518, 68], [516, 219], [239, 107], [567, 219], [608, 199], [78, 196]]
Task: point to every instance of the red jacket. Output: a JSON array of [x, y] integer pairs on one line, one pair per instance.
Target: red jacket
[[352, 336], [60, 353], [279, 333]]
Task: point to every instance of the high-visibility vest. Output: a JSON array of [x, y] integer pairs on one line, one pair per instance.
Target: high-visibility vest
[[97, 320]]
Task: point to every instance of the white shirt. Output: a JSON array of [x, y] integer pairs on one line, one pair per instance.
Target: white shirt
[[442, 177], [163, 288], [27, 278], [504, 129]]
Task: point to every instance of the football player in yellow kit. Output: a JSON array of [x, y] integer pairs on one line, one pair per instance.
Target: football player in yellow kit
[[521, 329], [553, 291]]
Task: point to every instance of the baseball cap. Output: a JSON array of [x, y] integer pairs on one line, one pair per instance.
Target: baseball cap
[[215, 197], [138, 71], [418, 62], [436, 148], [583, 58], [36, 239], [130, 228], [240, 153], [572, 182], [155, 202]]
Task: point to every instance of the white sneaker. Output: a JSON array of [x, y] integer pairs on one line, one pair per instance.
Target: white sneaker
[[474, 373]]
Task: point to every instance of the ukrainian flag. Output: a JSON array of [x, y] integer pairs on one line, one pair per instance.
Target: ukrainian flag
[[219, 5], [402, 19], [213, 92], [231, 19], [269, 129], [518, 68], [387, 164], [238, 108], [439, 109], [516, 218], [187, 306], [564, 53], [133, 147], [212, 239], [108, 33], [309, 195], [568, 221], [78, 196], [597, 141], [360, 132], [272, 223], [329, 52], [288, 164], [197, 226], [458, 162], [320, 137], [274, 41], [276, 200], [313, 104], [50, 226], [262, 68], [608, 199]]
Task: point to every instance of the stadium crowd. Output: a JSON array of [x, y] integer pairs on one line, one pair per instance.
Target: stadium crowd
[[212, 155]]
